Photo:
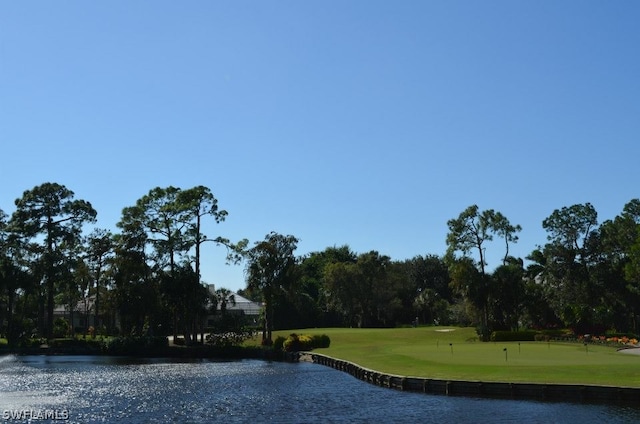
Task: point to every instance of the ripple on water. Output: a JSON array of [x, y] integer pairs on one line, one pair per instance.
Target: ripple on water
[[98, 389]]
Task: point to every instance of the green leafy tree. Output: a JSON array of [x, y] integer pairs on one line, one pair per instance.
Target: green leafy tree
[[627, 234], [427, 291], [100, 247], [473, 287], [430, 272], [158, 219], [360, 290], [197, 203], [341, 280], [271, 271], [186, 298], [568, 264], [136, 295], [162, 218], [508, 295], [377, 293], [314, 309], [431, 308], [537, 309], [13, 280], [569, 227], [471, 231], [4, 234], [51, 212], [73, 281], [615, 255], [170, 220], [503, 228]]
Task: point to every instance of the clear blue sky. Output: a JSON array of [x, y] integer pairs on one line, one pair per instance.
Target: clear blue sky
[[367, 123]]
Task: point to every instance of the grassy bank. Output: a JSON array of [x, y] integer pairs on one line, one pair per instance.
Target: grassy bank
[[436, 353]]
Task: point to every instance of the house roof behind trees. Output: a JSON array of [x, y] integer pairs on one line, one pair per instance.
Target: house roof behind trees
[[245, 305]]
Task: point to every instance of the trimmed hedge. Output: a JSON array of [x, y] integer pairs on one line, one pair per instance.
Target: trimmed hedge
[[556, 333], [514, 336]]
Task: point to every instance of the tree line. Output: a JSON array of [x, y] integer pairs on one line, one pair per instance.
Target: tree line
[[147, 274], [585, 278], [145, 278]]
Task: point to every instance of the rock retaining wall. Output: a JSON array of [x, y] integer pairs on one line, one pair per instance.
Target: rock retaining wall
[[530, 391]]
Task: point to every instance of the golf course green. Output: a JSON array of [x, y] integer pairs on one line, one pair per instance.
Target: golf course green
[[455, 353]]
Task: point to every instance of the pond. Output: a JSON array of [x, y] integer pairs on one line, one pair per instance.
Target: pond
[[89, 389]]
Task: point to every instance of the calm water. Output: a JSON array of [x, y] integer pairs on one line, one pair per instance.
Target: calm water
[[115, 390]]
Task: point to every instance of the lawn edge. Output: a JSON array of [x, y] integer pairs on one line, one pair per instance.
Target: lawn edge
[[551, 392]]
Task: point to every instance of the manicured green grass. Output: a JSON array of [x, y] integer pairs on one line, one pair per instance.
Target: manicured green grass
[[458, 355]]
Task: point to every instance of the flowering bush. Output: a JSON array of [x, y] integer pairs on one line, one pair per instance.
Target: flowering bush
[[230, 338], [622, 340], [296, 342], [613, 340]]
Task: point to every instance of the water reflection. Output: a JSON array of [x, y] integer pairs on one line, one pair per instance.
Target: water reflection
[[108, 389]]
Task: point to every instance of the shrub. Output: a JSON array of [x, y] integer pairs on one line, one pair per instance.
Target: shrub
[[21, 332], [133, 344], [321, 341], [295, 342], [292, 343], [30, 343], [278, 343], [71, 342], [60, 327], [228, 339], [541, 337], [513, 336], [556, 333], [611, 334]]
